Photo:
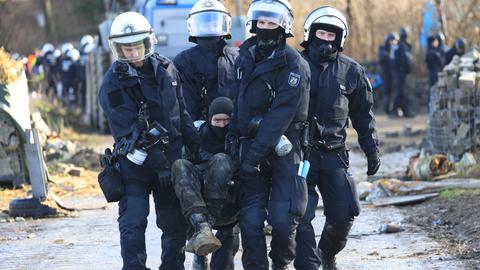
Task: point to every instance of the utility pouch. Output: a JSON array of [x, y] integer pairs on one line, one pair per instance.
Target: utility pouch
[[298, 196], [110, 179], [352, 188]]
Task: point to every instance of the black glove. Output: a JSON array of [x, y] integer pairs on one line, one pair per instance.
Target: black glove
[[250, 167], [373, 160], [164, 178], [158, 162]]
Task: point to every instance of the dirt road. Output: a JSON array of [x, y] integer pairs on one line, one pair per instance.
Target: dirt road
[[90, 241]]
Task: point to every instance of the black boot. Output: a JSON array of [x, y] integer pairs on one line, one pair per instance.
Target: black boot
[[328, 261], [203, 241], [200, 263]]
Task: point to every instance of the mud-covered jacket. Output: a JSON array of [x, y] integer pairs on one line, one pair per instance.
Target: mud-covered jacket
[[339, 91], [163, 95], [206, 76], [275, 89]]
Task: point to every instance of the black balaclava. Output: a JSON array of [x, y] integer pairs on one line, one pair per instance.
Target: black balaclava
[[211, 44], [267, 41], [323, 50], [219, 105]]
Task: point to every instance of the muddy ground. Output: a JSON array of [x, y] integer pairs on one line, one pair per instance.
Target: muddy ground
[[454, 220]]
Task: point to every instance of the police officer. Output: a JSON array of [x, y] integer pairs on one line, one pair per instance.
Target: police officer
[[339, 90], [272, 101], [141, 97], [49, 63], [458, 48], [207, 69], [68, 73], [385, 57], [207, 192], [402, 66], [435, 57]]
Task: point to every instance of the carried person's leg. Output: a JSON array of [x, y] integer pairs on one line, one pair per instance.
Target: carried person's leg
[[187, 184]]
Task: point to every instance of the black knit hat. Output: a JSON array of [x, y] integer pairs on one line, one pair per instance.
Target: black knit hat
[[220, 105]]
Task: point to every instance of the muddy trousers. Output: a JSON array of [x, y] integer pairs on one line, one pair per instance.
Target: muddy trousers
[[338, 192], [259, 196], [206, 191], [133, 212]]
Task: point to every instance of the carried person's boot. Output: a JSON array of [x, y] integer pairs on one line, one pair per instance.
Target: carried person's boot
[[328, 261], [203, 241], [200, 263]]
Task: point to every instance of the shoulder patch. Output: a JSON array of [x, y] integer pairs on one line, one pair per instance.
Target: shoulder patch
[[294, 79], [115, 98]]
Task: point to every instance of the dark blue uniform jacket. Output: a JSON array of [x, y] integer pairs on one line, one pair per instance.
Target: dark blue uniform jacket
[[341, 91], [276, 89], [163, 94], [201, 70]]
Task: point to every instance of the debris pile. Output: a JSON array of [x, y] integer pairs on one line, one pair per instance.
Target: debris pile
[[429, 167], [454, 114]]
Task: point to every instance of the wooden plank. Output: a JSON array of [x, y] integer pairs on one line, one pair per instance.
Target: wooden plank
[[403, 200]]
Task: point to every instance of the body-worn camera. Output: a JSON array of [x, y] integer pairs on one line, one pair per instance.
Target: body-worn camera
[[283, 146], [157, 134]]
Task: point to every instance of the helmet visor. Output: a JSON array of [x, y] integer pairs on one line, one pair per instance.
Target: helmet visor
[[270, 16], [208, 24], [133, 51]]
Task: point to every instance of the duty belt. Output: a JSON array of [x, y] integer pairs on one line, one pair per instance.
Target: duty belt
[[320, 145]]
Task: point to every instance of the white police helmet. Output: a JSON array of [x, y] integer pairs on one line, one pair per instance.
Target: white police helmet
[[276, 11], [66, 47], [209, 18], [47, 47], [73, 54], [56, 54], [131, 29], [86, 39], [327, 16]]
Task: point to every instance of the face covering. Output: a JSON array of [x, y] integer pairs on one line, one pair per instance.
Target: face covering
[[220, 132], [210, 44], [322, 50], [268, 40]]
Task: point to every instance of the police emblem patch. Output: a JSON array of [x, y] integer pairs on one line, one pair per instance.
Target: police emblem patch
[[294, 79], [128, 28]]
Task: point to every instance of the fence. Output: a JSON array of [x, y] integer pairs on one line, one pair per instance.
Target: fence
[[97, 64], [454, 116]]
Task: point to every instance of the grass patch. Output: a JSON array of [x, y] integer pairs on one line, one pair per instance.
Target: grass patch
[[452, 194]]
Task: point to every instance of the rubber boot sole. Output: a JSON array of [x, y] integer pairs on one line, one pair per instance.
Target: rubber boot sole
[[203, 248]]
